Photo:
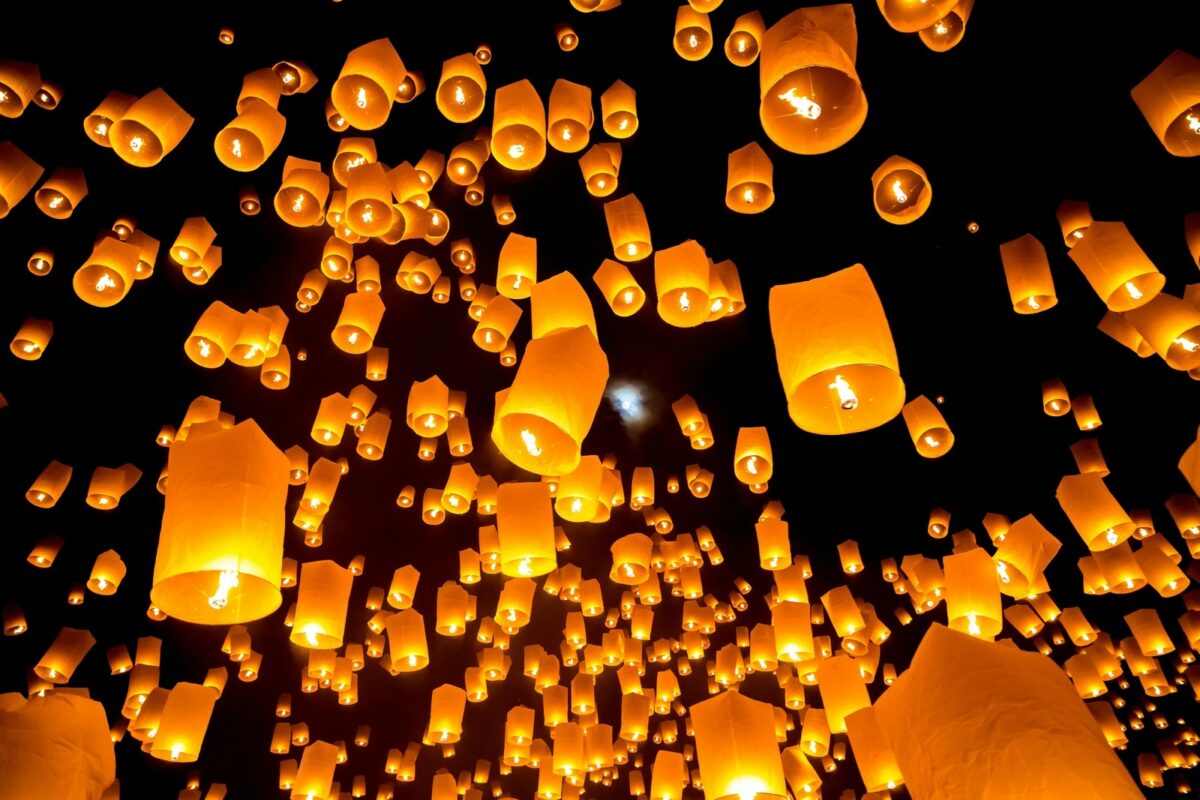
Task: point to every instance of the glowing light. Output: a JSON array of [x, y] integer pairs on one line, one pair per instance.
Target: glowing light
[[459, 96], [353, 337], [941, 29], [684, 304], [566, 134], [1111, 536], [973, 626], [628, 296], [1033, 303], [1134, 292], [298, 204], [803, 104], [1002, 571], [251, 352], [52, 673], [175, 751], [135, 144], [56, 201], [623, 124], [693, 42], [576, 506], [1193, 123], [3, 97], [741, 45], [748, 195], [236, 147], [517, 282], [288, 77], [898, 192], [932, 440], [310, 632], [1187, 344], [327, 435], [368, 215], [105, 282], [226, 582], [846, 396], [29, 347], [361, 99], [530, 442], [516, 150]]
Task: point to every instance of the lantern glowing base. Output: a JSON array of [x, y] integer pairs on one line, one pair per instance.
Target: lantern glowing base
[[534, 444], [813, 110], [187, 597], [877, 397]]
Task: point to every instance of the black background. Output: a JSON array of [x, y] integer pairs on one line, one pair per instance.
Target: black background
[[1032, 108]]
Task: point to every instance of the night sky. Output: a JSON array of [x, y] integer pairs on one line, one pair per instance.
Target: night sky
[[1031, 109]]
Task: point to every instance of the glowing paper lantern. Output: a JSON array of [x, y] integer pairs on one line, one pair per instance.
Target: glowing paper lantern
[[19, 83], [835, 353], [57, 745], [1093, 511], [301, 198], [570, 116], [109, 485], [49, 485], [682, 280], [1027, 271], [1172, 327], [907, 16], [742, 46], [462, 89], [214, 336], [250, 139], [901, 191], [32, 338], [600, 166], [621, 290], [1169, 99], [220, 552], [958, 703], [358, 324], [61, 193], [63, 656], [1116, 267], [693, 34], [18, 174], [525, 525], [516, 271], [618, 110], [518, 126], [927, 428], [559, 303], [749, 183], [628, 228], [811, 98], [183, 723], [149, 129], [973, 593], [736, 748], [320, 619], [546, 414], [446, 706], [367, 84], [109, 272], [948, 31], [314, 778]]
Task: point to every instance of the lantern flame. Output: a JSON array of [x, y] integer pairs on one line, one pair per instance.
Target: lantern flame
[[105, 282], [459, 96], [361, 100], [135, 144], [846, 396], [1134, 292], [226, 582], [803, 104], [236, 147], [898, 192], [530, 442]]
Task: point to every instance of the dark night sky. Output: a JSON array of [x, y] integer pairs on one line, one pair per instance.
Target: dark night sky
[[1031, 109]]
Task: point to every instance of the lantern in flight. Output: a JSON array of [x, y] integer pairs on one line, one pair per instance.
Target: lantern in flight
[[1169, 99], [366, 86]]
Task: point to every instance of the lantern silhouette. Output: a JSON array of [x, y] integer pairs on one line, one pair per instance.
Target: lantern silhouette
[[811, 98], [19, 84], [446, 706], [183, 723], [109, 485], [31, 339], [1172, 327], [618, 110], [314, 778], [681, 278], [1116, 267], [835, 353], [927, 428], [946, 701], [570, 116], [367, 84], [742, 46], [1027, 271], [600, 166], [901, 191], [558, 304], [250, 139], [462, 89], [106, 276], [301, 198], [525, 524], [58, 743], [151, 127], [358, 324], [496, 324], [620, 289], [516, 271], [64, 655], [49, 485], [107, 573], [628, 228], [518, 126], [693, 34], [1169, 99], [948, 31], [736, 748], [324, 591], [1093, 511], [749, 182], [61, 193]]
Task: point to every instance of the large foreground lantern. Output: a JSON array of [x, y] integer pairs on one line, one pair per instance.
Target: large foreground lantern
[[1011, 715], [545, 415], [835, 353], [736, 748], [56, 746], [811, 98], [220, 553]]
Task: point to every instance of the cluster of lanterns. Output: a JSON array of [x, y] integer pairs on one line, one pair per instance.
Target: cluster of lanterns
[[220, 551]]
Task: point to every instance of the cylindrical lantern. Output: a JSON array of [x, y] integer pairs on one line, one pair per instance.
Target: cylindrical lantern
[[367, 84], [736, 748], [1169, 98], [749, 182], [1027, 271], [570, 116], [620, 289], [682, 280], [628, 228], [1116, 267], [149, 129], [525, 524], [835, 353], [518, 126], [324, 592], [927, 428], [900, 190]]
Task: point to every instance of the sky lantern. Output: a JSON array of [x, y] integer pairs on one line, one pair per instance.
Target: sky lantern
[[543, 419], [901, 191], [570, 116], [907, 16], [58, 745], [811, 98], [736, 748], [366, 86], [250, 139], [628, 228], [1116, 267], [742, 45], [948, 31], [518, 126], [462, 89], [1169, 99], [682, 280], [749, 185], [1027, 271], [618, 110], [324, 591], [835, 353], [525, 523], [151, 127]]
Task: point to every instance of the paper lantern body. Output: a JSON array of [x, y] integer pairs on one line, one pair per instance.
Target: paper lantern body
[[54, 746], [1012, 715], [736, 748], [834, 328], [1168, 98], [220, 553]]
